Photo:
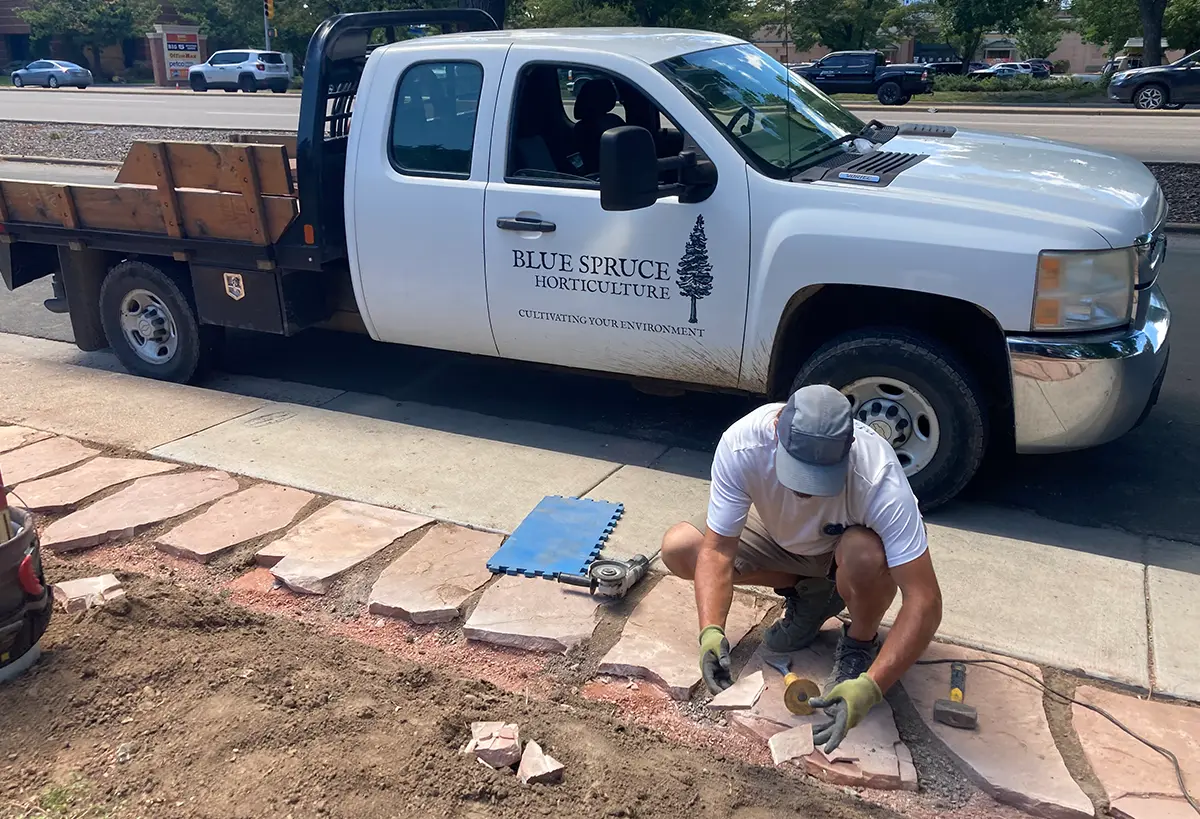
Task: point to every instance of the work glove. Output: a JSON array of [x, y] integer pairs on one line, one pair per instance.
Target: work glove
[[714, 659], [846, 704]]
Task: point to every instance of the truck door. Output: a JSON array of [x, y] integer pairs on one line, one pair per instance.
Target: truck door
[[830, 77], [858, 76], [660, 292], [417, 169]]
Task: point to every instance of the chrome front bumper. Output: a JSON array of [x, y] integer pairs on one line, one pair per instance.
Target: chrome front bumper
[[1074, 392]]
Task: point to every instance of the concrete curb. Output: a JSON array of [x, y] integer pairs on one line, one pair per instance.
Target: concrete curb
[[1183, 227], [55, 160], [1016, 107], [223, 128], [136, 90]]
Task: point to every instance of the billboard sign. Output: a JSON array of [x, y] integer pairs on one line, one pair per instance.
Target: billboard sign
[[182, 52]]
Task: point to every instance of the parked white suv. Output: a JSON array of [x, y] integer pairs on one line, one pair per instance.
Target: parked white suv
[[247, 70]]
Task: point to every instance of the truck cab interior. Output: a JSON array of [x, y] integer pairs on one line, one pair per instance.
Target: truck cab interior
[[556, 140]]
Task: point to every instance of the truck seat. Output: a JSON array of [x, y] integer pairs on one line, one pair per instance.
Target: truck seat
[[593, 115]]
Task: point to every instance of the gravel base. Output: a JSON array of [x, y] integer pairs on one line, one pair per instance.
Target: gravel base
[[106, 142], [1180, 180], [1181, 183]]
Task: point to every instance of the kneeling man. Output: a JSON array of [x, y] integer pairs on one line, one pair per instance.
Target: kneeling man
[[814, 504]]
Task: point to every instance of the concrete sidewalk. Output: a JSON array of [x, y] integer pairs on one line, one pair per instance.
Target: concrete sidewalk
[[1084, 599]]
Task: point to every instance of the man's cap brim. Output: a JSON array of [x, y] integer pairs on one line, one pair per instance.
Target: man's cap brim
[[810, 479]]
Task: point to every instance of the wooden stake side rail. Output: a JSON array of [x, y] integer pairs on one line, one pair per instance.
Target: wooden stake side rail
[[193, 190]]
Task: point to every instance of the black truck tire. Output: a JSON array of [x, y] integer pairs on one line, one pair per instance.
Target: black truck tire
[[889, 93], [198, 82], [150, 322], [925, 401]]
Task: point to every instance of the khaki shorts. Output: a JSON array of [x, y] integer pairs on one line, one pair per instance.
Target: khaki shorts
[[758, 552]]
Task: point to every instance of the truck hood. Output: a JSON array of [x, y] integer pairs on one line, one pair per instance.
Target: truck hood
[[1114, 195]]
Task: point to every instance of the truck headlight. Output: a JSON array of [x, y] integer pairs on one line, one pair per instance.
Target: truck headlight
[[1084, 290]]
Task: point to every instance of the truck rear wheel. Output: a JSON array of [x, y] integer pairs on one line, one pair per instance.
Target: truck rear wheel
[[151, 324], [913, 392], [889, 93]]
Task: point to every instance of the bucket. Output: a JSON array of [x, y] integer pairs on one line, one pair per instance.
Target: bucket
[[25, 599]]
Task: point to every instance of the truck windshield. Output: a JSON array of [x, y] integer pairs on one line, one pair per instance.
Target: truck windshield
[[775, 116]]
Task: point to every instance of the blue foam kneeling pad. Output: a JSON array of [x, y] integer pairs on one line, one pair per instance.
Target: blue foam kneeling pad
[[560, 536]]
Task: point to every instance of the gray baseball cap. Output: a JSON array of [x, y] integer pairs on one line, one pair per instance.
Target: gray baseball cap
[[815, 430]]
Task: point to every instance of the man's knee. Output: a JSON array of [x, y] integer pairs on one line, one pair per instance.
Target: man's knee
[[860, 555], [679, 547]]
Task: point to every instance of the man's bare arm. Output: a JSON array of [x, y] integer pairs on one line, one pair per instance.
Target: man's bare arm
[[714, 578], [918, 620]]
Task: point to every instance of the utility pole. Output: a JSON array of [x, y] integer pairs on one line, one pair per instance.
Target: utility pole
[[268, 15]]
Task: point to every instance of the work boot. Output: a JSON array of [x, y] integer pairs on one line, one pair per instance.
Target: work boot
[[806, 607], [851, 658]]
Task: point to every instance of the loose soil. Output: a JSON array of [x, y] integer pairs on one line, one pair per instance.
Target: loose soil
[[176, 702]]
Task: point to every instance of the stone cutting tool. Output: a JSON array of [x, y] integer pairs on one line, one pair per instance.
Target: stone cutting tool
[[611, 578], [797, 690]]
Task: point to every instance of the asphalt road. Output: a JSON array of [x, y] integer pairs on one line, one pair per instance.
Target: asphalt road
[[1146, 482], [1160, 137]]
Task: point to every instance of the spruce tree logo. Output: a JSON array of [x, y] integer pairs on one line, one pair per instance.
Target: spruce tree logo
[[694, 275]]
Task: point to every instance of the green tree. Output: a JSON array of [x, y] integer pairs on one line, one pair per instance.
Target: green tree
[[1040, 30], [1181, 25], [840, 25], [567, 13], [228, 23], [965, 22], [91, 24], [1107, 23]]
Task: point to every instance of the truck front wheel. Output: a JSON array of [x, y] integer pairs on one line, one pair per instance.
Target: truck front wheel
[[914, 393], [151, 324], [889, 93]]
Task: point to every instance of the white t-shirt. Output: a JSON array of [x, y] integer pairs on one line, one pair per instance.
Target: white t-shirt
[[877, 493]]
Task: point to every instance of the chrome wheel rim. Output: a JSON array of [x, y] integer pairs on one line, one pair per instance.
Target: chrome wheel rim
[[53, 82], [900, 415], [1151, 98], [148, 327]]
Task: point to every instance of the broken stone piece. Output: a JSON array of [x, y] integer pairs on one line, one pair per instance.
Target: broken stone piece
[[791, 745], [496, 743], [83, 594], [741, 695], [538, 767]]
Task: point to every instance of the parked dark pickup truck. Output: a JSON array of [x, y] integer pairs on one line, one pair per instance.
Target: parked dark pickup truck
[[866, 72]]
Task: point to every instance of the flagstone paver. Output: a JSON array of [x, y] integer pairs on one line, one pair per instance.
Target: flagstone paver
[[69, 489], [1138, 807], [430, 582], [1128, 770], [145, 502], [533, 614], [231, 521], [15, 436], [741, 695], [868, 757], [82, 594], [335, 539], [1012, 754], [659, 638], [537, 766], [791, 745], [41, 458]]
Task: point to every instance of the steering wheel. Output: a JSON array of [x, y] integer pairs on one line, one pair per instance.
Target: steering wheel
[[744, 111]]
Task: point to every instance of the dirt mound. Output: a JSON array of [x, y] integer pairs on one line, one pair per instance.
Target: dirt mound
[[176, 703]]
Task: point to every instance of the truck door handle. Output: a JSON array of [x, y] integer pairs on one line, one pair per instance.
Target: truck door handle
[[521, 223]]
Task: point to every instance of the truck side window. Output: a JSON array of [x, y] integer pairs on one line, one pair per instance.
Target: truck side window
[[433, 125], [561, 111]]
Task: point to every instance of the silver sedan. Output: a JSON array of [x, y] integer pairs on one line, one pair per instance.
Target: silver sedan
[[52, 74]]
